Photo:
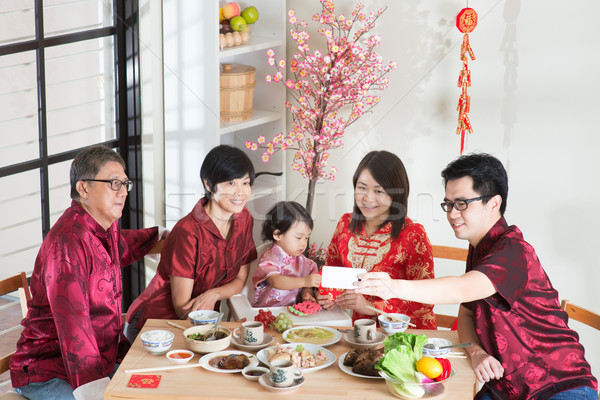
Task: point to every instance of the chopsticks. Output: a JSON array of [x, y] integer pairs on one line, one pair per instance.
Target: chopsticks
[[165, 368], [391, 317], [176, 325]]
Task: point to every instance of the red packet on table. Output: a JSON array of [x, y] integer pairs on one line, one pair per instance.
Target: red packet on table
[[144, 381]]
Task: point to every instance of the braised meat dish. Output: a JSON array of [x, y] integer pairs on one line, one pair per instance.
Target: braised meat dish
[[363, 361]]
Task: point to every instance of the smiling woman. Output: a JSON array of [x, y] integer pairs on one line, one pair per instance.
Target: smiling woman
[[378, 236], [206, 256]]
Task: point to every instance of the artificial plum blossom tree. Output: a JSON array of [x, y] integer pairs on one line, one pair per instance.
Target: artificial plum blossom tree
[[329, 90]]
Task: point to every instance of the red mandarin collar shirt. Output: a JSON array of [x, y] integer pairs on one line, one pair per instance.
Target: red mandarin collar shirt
[[522, 325], [195, 249], [73, 326], [407, 257]]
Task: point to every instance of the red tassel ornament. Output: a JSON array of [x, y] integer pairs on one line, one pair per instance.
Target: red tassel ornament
[[466, 20]]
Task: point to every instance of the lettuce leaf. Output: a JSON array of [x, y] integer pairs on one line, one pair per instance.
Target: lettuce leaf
[[402, 350]]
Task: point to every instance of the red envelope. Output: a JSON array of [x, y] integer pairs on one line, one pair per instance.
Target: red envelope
[[144, 381]]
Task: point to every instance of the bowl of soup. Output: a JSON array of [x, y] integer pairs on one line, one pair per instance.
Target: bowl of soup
[[195, 338]]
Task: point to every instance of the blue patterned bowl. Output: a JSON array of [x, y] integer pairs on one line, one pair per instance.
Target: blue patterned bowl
[[390, 327], [157, 341]]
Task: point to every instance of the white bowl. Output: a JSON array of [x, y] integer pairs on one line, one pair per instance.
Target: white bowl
[[203, 346], [203, 317], [253, 373], [407, 391], [180, 356], [390, 327], [439, 342], [157, 341]]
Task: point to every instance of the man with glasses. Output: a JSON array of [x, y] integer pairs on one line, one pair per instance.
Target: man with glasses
[[522, 346], [72, 336]]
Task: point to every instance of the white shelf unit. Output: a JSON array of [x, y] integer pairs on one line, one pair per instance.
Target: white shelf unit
[[192, 60]]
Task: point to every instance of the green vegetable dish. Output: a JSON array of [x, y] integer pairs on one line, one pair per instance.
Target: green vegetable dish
[[402, 351]]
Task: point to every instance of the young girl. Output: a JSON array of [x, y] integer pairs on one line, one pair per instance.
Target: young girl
[[283, 272]]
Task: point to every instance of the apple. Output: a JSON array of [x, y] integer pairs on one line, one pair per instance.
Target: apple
[[237, 23], [250, 14], [231, 10]]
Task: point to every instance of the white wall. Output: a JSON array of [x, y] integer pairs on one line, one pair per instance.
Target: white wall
[[534, 105]]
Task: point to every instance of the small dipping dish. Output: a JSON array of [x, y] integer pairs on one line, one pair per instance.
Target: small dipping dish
[[253, 373], [180, 356]]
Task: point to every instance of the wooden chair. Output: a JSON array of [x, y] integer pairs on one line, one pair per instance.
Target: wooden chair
[[448, 253], [17, 283], [581, 314]]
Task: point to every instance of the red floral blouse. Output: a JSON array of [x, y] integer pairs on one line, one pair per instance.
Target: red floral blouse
[[407, 257]]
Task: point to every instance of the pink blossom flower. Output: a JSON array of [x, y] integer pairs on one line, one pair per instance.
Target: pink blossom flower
[[261, 139]]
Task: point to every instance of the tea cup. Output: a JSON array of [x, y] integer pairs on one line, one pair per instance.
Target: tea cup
[[364, 330], [251, 332], [283, 373]]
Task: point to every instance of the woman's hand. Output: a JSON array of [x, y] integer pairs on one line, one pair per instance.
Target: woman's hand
[[205, 301], [308, 295], [377, 284], [312, 280], [485, 366], [355, 301], [325, 301]]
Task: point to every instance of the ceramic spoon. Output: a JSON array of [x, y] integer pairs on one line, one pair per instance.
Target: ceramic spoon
[[212, 337], [432, 346]]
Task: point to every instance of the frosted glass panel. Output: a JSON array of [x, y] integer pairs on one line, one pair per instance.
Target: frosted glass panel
[[60, 189], [20, 225], [17, 21], [68, 16], [80, 94], [18, 109]]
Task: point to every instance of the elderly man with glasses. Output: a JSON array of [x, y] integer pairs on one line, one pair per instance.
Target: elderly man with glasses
[[72, 337], [522, 346]]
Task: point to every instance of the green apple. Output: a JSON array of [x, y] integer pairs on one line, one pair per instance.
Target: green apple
[[250, 14], [237, 23]]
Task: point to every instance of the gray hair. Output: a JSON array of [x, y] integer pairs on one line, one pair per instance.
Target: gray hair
[[88, 163]]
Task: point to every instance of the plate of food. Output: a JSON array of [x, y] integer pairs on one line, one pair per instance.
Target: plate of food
[[379, 336], [320, 335], [308, 357], [228, 361], [361, 363]]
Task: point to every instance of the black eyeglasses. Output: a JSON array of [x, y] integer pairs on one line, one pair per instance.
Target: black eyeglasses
[[461, 205], [115, 184]]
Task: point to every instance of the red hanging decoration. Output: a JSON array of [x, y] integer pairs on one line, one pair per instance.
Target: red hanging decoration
[[466, 20]]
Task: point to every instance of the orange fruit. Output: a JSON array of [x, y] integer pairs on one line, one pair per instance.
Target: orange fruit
[[430, 367]]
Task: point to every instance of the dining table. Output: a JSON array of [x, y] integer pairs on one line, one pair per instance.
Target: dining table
[[327, 383]]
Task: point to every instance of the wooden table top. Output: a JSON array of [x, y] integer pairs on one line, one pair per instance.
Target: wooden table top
[[327, 383]]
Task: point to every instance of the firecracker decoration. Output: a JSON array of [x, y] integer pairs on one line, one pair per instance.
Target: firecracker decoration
[[466, 20]]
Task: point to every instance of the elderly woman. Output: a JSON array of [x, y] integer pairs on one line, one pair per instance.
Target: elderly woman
[[205, 258], [71, 336], [378, 236]]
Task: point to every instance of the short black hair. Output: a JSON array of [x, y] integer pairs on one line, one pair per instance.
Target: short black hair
[[223, 164], [388, 170], [488, 174], [88, 164], [282, 216]]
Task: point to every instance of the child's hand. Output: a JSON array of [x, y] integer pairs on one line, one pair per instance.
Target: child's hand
[[312, 280], [307, 296]]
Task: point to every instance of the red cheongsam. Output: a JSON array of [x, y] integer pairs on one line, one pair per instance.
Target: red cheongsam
[[407, 257]]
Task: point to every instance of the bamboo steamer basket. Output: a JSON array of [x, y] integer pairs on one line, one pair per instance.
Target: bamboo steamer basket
[[237, 91]]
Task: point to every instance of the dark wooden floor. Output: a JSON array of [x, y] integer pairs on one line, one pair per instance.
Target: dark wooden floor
[[10, 317]]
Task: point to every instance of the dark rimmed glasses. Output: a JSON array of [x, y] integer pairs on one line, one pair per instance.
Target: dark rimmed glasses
[[115, 184], [461, 205]]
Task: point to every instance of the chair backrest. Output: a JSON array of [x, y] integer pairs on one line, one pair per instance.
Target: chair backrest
[[448, 253], [17, 283], [581, 314], [249, 288]]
